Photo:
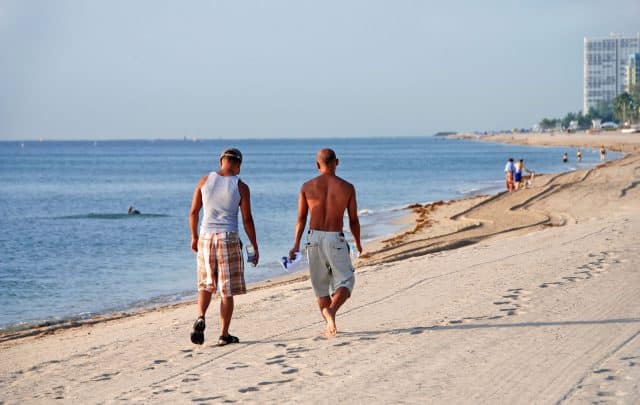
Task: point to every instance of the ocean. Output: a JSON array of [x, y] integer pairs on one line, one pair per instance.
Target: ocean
[[68, 249]]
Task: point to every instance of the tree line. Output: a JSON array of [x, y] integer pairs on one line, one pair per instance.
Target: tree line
[[625, 109]]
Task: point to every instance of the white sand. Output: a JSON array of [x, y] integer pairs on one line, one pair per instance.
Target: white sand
[[543, 316]]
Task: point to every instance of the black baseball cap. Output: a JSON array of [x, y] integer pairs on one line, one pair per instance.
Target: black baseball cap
[[232, 153]]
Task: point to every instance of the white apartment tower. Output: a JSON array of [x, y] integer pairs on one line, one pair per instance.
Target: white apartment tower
[[605, 66]]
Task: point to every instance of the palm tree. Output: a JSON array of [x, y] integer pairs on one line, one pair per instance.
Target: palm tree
[[623, 107]]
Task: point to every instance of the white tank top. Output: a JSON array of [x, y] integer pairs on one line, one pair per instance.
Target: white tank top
[[220, 204]]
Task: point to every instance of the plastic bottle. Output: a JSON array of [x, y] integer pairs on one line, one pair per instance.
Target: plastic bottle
[[251, 254], [353, 251]]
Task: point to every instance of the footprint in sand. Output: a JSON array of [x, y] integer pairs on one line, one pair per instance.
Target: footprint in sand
[[513, 302], [298, 349], [205, 399], [474, 318], [275, 382], [587, 271], [105, 376], [237, 365], [342, 344], [605, 382], [58, 392], [248, 389], [164, 391]]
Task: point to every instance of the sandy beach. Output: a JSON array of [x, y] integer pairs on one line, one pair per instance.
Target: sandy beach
[[524, 297]]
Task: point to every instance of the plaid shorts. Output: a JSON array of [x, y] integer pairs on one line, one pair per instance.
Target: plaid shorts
[[220, 264]]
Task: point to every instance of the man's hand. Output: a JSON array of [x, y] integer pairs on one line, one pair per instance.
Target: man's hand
[[293, 251], [256, 258], [359, 248], [194, 244]]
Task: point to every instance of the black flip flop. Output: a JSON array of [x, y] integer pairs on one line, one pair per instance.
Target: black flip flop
[[197, 335], [225, 340]]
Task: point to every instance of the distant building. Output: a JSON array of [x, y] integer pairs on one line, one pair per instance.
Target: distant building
[[633, 72], [605, 68]]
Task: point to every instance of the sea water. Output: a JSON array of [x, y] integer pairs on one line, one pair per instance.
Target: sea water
[[69, 250]]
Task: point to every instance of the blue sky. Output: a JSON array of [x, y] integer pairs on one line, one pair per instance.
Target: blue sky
[[230, 69]]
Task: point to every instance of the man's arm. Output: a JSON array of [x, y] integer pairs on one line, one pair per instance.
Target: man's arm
[[354, 222], [247, 218], [194, 214], [301, 223]]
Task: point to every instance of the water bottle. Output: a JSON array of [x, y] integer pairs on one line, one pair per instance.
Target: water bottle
[[251, 254], [353, 251]]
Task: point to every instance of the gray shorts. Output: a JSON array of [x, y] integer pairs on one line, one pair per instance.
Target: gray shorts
[[329, 262]]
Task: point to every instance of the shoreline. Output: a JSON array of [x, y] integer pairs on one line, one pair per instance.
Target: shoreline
[[445, 225], [412, 219], [613, 140]]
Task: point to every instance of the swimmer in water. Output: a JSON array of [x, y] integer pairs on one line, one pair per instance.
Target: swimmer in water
[[133, 211]]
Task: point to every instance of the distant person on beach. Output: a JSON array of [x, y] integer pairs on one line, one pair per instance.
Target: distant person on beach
[[325, 198], [579, 155], [133, 211], [565, 157], [603, 153], [220, 262], [509, 171], [519, 170]]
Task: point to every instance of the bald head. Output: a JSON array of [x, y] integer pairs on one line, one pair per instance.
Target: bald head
[[326, 157]]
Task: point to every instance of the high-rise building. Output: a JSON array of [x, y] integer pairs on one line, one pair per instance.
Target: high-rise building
[[633, 72], [605, 68]]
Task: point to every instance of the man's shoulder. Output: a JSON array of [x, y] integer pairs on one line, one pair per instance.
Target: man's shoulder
[[204, 179], [323, 180], [311, 182], [343, 181]]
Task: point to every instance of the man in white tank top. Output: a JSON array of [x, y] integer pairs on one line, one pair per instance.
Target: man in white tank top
[[220, 195]]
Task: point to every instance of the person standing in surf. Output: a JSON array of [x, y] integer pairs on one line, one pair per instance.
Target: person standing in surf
[[509, 171], [326, 198], [220, 262]]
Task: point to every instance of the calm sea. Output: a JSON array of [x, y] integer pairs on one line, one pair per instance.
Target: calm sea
[[68, 249]]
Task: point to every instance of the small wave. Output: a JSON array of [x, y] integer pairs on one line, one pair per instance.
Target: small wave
[[364, 212], [470, 191], [110, 216], [484, 187]]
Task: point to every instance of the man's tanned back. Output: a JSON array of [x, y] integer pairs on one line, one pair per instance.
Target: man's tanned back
[[328, 196]]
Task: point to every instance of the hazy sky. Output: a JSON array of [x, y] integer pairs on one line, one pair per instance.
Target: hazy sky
[[295, 68]]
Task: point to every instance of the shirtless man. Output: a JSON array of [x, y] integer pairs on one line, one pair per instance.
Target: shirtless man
[[326, 198]]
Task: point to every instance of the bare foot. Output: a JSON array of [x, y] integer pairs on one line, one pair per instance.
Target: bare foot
[[330, 316]]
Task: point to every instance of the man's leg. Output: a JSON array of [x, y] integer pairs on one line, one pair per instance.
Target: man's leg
[[204, 298], [226, 311], [324, 302], [329, 313], [197, 335]]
